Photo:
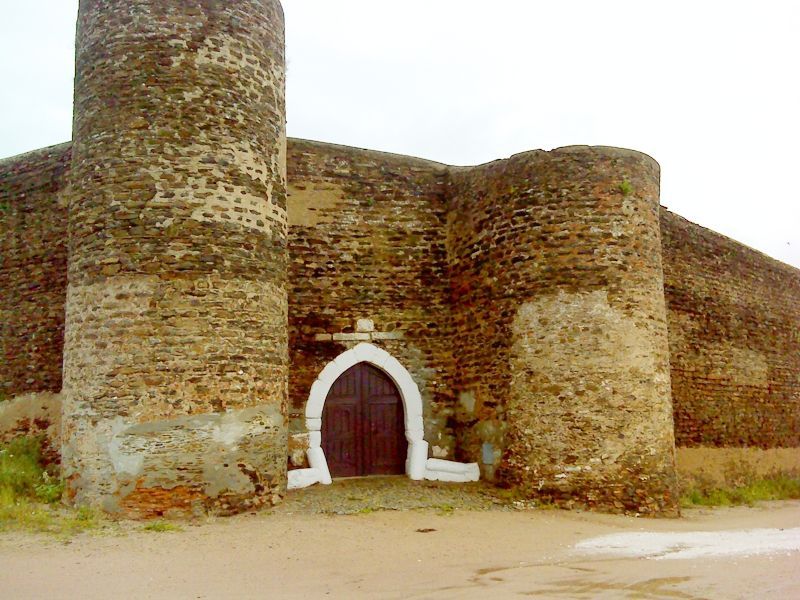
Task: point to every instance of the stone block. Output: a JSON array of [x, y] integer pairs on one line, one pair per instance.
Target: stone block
[[387, 335], [365, 326]]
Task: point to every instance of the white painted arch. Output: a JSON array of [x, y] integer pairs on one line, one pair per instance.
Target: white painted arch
[[409, 393]]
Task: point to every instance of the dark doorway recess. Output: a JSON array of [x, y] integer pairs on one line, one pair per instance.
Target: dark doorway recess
[[362, 425]]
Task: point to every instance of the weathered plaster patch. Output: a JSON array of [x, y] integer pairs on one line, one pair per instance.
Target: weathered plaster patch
[[467, 401], [589, 365], [229, 433], [299, 443], [439, 452], [23, 412], [125, 463], [217, 455], [731, 467], [583, 372], [365, 326], [313, 204], [739, 366]]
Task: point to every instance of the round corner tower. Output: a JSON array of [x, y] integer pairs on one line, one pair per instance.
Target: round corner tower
[[175, 361], [574, 360]]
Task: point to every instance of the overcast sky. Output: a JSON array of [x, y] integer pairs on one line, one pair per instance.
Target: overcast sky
[[709, 89]]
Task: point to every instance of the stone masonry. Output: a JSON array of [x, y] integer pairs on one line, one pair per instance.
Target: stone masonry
[[175, 359], [560, 325], [176, 279]]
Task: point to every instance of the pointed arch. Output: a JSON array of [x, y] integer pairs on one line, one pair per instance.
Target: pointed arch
[[409, 393]]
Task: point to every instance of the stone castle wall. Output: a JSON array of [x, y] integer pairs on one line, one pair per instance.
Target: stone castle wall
[[366, 244], [33, 270], [560, 326], [488, 284], [175, 361], [734, 321], [208, 288]]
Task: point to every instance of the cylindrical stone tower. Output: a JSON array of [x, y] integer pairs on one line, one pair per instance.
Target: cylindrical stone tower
[[561, 326], [175, 360]]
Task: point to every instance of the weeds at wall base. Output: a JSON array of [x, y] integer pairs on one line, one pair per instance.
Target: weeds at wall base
[[162, 527], [29, 494], [20, 514], [779, 487]]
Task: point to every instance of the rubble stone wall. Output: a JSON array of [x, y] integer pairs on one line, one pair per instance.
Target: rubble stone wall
[[33, 270], [175, 362], [199, 289], [368, 264], [560, 327], [734, 323]]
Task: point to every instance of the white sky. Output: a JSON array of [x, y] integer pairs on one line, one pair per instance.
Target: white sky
[[710, 89]]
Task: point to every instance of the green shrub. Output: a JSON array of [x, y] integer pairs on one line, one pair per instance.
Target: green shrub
[[626, 187], [22, 474], [18, 513], [29, 493]]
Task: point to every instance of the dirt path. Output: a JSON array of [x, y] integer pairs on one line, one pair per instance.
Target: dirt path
[[414, 554]]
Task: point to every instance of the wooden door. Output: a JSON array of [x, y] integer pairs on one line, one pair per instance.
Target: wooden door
[[362, 425]]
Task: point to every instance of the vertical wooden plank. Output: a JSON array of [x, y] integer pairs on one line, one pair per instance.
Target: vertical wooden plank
[[340, 427]]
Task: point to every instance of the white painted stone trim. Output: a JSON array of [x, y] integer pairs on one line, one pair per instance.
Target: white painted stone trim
[[418, 466], [409, 393], [447, 470], [303, 478]]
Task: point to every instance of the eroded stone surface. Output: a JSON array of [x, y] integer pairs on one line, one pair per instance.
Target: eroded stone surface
[[176, 357]]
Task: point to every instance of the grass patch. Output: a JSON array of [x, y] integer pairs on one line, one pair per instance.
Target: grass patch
[[779, 487], [21, 514], [626, 187], [162, 527], [29, 492], [445, 509], [22, 474]]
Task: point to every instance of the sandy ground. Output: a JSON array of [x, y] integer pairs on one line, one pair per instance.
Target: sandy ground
[[413, 554]]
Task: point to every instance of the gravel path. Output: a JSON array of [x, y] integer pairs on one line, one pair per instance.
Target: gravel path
[[369, 494]]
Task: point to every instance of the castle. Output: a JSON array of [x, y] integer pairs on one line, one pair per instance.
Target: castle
[[204, 305]]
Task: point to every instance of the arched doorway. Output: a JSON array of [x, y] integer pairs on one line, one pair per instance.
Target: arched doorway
[[417, 464], [417, 455], [363, 430]]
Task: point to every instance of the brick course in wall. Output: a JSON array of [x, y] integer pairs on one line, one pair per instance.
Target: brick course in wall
[[734, 321]]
